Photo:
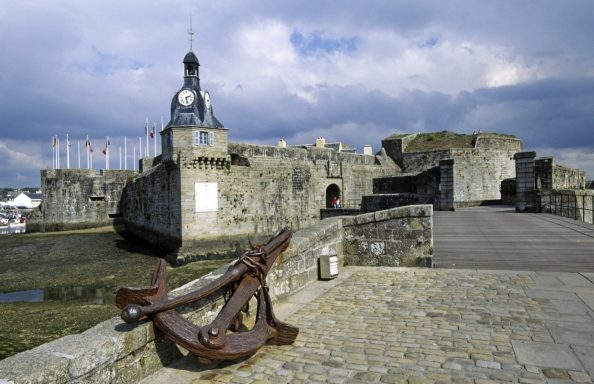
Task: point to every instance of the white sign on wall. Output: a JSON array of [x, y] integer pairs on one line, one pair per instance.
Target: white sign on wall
[[205, 195]]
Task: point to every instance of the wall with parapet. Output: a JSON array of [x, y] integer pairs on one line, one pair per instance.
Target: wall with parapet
[[261, 190], [476, 175], [549, 175], [122, 353], [537, 177], [151, 205], [78, 198], [397, 237]]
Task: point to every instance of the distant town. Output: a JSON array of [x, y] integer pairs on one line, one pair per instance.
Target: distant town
[[15, 206]]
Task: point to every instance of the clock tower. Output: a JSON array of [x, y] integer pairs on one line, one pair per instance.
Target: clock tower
[[193, 131], [191, 105]]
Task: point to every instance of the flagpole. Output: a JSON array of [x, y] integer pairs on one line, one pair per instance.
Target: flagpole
[[67, 152], [120, 150], [146, 149], [125, 154], [78, 152], [87, 151], [58, 158], [54, 152], [107, 153], [134, 158], [155, 138], [140, 147]]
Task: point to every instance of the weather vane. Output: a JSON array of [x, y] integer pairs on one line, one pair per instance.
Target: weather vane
[[190, 32]]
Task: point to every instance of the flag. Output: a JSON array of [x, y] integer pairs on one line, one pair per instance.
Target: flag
[[54, 141], [107, 144], [90, 147], [146, 127], [153, 131]]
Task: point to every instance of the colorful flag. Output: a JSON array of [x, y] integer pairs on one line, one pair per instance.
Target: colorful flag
[[153, 131], [54, 141]]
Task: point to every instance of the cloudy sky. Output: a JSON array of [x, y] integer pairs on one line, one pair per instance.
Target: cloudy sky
[[354, 71]]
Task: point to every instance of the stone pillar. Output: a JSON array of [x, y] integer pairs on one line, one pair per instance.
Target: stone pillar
[[446, 185], [525, 181], [282, 144], [367, 150]]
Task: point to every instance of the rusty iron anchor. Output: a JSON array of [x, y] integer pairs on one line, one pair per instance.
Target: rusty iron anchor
[[243, 280]]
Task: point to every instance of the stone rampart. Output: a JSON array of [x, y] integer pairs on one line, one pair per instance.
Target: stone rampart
[[379, 202], [549, 175], [263, 188], [398, 237], [79, 198], [538, 178], [472, 176], [115, 352]]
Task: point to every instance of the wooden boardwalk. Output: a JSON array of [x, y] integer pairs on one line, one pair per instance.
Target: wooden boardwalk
[[496, 237]]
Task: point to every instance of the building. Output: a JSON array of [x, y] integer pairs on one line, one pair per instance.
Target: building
[[27, 200]]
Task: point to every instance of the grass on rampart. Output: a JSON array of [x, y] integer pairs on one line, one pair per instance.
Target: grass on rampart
[[442, 140]]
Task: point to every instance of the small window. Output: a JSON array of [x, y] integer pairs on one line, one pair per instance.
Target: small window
[[203, 138], [169, 139]]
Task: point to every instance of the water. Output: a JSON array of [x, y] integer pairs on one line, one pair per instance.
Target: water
[[12, 228], [89, 295], [32, 296]]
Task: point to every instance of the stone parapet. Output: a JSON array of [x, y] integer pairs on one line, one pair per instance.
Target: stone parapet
[[115, 352], [394, 237]]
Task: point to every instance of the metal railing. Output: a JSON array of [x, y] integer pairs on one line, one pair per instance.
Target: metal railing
[[575, 206]]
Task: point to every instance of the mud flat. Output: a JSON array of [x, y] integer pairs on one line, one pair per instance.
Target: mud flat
[[60, 283]]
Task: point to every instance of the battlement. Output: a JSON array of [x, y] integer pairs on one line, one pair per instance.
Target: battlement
[[79, 198], [306, 153]]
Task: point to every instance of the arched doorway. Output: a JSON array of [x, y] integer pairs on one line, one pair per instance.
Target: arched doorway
[[332, 191]]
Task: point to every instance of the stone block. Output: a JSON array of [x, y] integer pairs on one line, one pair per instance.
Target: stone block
[[38, 365]]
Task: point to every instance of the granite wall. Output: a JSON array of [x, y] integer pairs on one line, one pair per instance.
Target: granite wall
[[78, 198], [473, 178], [537, 177], [261, 190]]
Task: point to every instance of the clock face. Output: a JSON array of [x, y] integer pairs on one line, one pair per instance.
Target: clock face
[[186, 97]]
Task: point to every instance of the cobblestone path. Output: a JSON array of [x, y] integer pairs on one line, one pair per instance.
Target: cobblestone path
[[399, 325]]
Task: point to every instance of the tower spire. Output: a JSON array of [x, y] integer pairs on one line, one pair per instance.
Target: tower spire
[[191, 32]]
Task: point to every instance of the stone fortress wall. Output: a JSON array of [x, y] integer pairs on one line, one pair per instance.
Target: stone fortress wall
[[544, 186], [78, 198], [454, 177], [261, 189]]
